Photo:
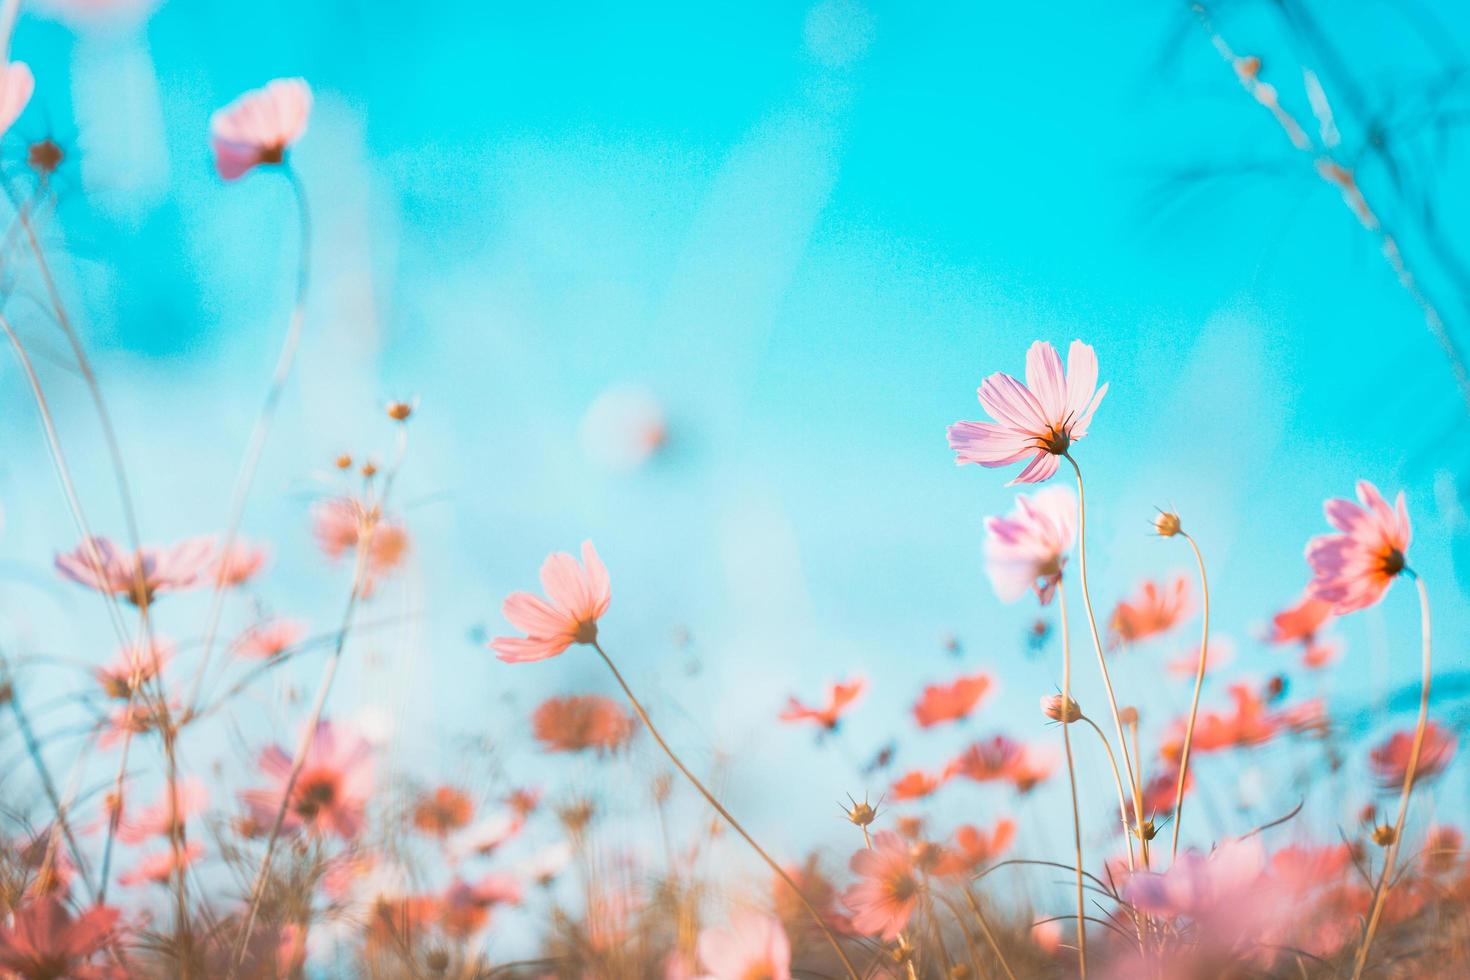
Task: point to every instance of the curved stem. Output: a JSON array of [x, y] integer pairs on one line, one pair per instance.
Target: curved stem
[[1199, 683], [1102, 663], [720, 809], [1066, 714], [1380, 891]]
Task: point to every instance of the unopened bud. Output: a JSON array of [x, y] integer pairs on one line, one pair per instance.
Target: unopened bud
[[1053, 707], [862, 814], [1166, 525], [369, 469], [399, 411], [344, 462], [1384, 835]]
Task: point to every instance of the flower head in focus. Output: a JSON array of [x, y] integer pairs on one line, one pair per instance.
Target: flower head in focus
[[577, 597], [1353, 568], [258, 126]]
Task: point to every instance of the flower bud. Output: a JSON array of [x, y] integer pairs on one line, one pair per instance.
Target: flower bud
[[1384, 835], [1053, 708], [1166, 525], [399, 411], [862, 814]]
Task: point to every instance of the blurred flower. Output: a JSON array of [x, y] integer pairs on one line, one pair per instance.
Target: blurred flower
[[1152, 611], [443, 811], [1026, 549], [1159, 792], [971, 847], [343, 523], [1248, 724], [543, 866], [885, 899], [465, 908], [1221, 652], [270, 639], [158, 868], [1217, 887], [331, 792], [1300, 623], [579, 596], [243, 561], [163, 818], [841, 696], [132, 667], [1034, 766], [817, 890], [258, 126], [1038, 420], [138, 577], [588, 721], [752, 946], [16, 87], [137, 718], [42, 940], [1390, 760], [1353, 569], [916, 785], [988, 760], [486, 834], [951, 702]]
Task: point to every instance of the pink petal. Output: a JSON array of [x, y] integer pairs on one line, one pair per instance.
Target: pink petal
[[1045, 379]]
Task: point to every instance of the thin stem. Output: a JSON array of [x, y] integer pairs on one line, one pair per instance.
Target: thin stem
[[1199, 683], [1102, 663], [720, 809], [1066, 715], [988, 934], [1380, 891]]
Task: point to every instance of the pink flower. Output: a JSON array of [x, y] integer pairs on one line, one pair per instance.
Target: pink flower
[[986, 761], [466, 907], [588, 721], [971, 847], [1248, 724], [43, 940], [269, 639], [916, 785], [1027, 548], [243, 561], [1391, 759], [158, 868], [1353, 569], [841, 695], [1221, 652], [579, 595], [1152, 612], [1200, 886], [885, 899], [344, 523], [106, 567], [1038, 420], [330, 794], [1035, 765], [752, 946], [1301, 622], [258, 126], [950, 702], [159, 819], [133, 667], [16, 87]]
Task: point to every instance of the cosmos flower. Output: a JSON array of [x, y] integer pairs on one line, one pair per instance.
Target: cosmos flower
[[1390, 760], [916, 785], [1034, 766], [1037, 421], [258, 126], [1220, 653], [1153, 611], [1199, 886], [343, 523], [16, 87], [588, 721], [330, 794], [752, 946], [1026, 549], [160, 819], [1249, 723], [269, 639], [242, 563], [987, 760], [137, 577], [465, 908], [578, 594], [443, 811], [132, 667], [1300, 623], [1159, 792], [1352, 569], [486, 834], [159, 867], [971, 847], [818, 890], [884, 900], [43, 940], [841, 696], [951, 702]]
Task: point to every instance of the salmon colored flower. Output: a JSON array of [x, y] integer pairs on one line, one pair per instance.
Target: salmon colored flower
[[1390, 760], [1300, 623], [578, 594], [17, 84], [916, 785], [443, 811], [465, 908], [1221, 652], [140, 576], [752, 947], [1352, 569], [987, 761], [1217, 888], [330, 795], [160, 867], [42, 940], [972, 848], [133, 667], [272, 638], [1026, 549], [1037, 421], [1159, 792], [951, 702], [242, 563], [841, 696], [588, 721], [258, 127], [1154, 610], [817, 890], [161, 819], [884, 901], [1249, 723], [343, 523], [1034, 766]]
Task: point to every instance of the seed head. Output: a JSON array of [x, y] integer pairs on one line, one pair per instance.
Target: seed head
[[1384, 835], [862, 814], [344, 462], [1166, 525]]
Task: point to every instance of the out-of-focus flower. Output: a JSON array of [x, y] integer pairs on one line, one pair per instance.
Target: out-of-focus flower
[[258, 126], [270, 639], [916, 785], [1160, 791], [578, 594], [485, 835], [159, 868], [954, 701], [43, 940], [137, 718], [134, 666], [1034, 766], [1026, 549], [443, 811], [752, 946], [344, 523], [137, 577], [543, 866], [971, 847], [1047, 935], [17, 84], [624, 427], [465, 908], [1352, 569], [1218, 886], [885, 899], [524, 800], [162, 818], [1390, 760], [1249, 723], [588, 721], [818, 891], [330, 794], [1036, 421], [841, 696], [1220, 653], [1153, 611], [987, 760], [242, 563], [1301, 622]]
